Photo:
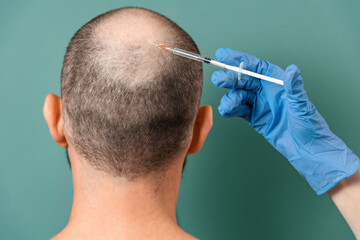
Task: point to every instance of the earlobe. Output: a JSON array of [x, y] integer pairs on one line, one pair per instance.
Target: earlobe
[[203, 124], [54, 118]]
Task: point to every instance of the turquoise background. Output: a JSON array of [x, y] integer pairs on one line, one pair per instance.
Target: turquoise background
[[238, 186]]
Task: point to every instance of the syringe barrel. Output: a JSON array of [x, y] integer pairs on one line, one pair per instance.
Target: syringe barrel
[[190, 55]]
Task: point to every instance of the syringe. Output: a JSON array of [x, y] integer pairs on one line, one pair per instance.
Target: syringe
[[197, 57]]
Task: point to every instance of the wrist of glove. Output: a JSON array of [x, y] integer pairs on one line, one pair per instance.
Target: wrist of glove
[[286, 118]]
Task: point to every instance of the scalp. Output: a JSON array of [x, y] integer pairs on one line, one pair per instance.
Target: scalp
[[124, 37], [133, 25]]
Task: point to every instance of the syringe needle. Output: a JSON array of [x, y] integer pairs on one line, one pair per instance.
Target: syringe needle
[[198, 57], [162, 46]]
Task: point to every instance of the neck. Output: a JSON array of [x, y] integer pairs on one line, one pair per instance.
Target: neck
[[105, 207]]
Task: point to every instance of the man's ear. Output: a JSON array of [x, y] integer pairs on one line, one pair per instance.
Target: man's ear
[[54, 118], [203, 124]]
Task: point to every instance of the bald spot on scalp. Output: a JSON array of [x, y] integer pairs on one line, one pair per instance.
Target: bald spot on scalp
[[125, 45]]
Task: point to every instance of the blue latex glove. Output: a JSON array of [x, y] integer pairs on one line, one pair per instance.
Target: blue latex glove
[[286, 118]]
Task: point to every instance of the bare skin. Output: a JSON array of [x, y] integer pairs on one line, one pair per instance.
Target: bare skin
[[105, 207], [346, 196]]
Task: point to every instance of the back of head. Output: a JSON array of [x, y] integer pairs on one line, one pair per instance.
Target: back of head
[[128, 106]]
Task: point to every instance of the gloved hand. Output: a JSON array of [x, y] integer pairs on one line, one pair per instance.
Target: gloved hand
[[286, 118]]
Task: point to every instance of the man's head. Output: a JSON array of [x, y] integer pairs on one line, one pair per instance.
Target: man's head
[[129, 108]]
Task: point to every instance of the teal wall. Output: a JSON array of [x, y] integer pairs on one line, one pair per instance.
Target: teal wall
[[238, 186]]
